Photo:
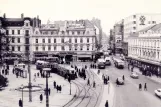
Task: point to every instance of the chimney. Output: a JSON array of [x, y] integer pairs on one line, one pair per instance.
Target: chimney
[[4, 15], [22, 15]]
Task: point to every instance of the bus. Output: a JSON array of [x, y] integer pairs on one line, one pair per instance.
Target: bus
[[119, 63], [48, 59]]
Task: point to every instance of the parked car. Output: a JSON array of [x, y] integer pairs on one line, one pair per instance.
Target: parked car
[[101, 63], [158, 92], [120, 81], [134, 75]]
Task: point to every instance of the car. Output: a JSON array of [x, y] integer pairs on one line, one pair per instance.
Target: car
[[108, 61], [158, 92], [134, 75], [120, 81]]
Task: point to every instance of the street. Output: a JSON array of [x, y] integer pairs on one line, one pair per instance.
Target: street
[[128, 95]]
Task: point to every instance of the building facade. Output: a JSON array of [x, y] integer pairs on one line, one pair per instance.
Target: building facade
[[144, 50], [71, 39], [137, 22], [19, 33]]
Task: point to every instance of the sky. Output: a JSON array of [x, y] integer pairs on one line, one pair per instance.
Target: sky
[[108, 11]]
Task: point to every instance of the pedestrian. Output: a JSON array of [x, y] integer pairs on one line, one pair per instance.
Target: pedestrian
[[41, 98], [145, 87], [57, 88], [117, 82], [88, 82], [140, 87], [60, 88], [54, 84], [38, 74], [49, 91], [106, 104], [108, 78], [13, 71], [94, 84], [123, 77], [20, 103]]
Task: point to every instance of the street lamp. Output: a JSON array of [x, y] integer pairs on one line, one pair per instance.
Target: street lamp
[[22, 94], [46, 70], [69, 80]]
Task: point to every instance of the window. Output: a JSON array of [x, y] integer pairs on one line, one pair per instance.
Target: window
[[13, 32], [78, 32], [62, 40], [49, 48], [62, 47], [37, 48], [54, 40], [52, 33], [134, 28], [62, 32], [87, 47], [134, 16], [27, 24], [87, 40], [81, 47], [27, 40], [13, 48], [19, 48], [153, 22], [75, 47], [43, 40], [13, 40], [54, 47], [27, 32], [18, 40], [49, 40], [72, 33], [75, 40], [36, 40], [27, 48], [18, 32], [134, 22], [43, 48], [81, 40], [70, 47], [7, 32], [70, 40]]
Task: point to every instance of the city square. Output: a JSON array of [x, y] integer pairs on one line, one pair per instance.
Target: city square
[[80, 53]]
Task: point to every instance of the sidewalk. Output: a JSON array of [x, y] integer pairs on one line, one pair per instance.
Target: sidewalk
[[10, 97], [154, 78], [108, 93]]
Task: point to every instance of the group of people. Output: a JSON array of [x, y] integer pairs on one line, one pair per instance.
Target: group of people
[[94, 83], [93, 66], [5, 70], [57, 87], [105, 79], [145, 87]]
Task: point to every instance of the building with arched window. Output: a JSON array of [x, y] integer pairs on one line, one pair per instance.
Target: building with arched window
[[144, 48]]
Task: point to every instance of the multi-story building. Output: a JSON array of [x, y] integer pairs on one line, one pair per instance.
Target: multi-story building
[[144, 49], [137, 22], [118, 37], [69, 39], [76, 39], [19, 32]]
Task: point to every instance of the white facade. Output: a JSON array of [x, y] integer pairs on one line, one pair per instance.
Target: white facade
[[146, 47], [137, 22]]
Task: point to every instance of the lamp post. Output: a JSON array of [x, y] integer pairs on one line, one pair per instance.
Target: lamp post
[[46, 70], [22, 94]]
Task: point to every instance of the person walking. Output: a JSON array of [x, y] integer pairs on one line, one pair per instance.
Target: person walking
[[140, 87], [88, 82], [106, 104], [41, 98], [145, 87], [49, 91], [20, 103], [94, 84], [123, 77]]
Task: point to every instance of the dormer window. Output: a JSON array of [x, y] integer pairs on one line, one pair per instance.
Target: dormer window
[[27, 24]]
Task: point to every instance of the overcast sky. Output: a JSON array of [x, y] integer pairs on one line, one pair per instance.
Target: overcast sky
[[109, 11]]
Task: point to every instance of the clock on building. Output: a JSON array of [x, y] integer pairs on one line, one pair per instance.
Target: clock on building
[[142, 20]]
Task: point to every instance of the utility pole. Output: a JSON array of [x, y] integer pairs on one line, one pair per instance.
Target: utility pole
[[30, 84]]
